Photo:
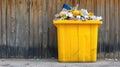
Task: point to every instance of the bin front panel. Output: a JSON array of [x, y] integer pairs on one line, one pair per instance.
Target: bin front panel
[[68, 43], [77, 42], [87, 42]]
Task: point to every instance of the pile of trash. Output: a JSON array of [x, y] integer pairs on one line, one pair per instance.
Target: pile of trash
[[72, 13]]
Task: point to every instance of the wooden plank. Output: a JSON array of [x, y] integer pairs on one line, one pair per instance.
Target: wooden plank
[[45, 30], [30, 52], [89, 5], [3, 28], [66, 1], [26, 26], [103, 27], [107, 29], [95, 6], [112, 30], [53, 30], [98, 6], [22, 25], [36, 27], [74, 3], [116, 30], [59, 5], [8, 24], [13, 49], [119, 28], [50, 33], [0, 26], [83, 4], [49, 21], [17, 26], [92, 6], [40, 23]]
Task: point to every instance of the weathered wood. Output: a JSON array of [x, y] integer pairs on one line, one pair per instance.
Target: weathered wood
[[53, 30], [98, 12], [92, 6], [21, 20], [103, 27], [88, 5], [112, 27], [83, 4], [3, 46], [107, 28], [8, 24], [74, 2], [50, 13], [116, 30], [26, 31], [0, 27], [45, 30], [30, 51], [36, 27], [119, 29], [40, 29]]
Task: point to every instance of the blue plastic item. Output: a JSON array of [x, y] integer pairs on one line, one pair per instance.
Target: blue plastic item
[[67, 7]]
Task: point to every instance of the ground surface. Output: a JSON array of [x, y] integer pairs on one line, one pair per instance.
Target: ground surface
[[54, 63]]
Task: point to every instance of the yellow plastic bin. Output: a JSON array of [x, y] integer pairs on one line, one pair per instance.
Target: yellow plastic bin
[[77, 40]]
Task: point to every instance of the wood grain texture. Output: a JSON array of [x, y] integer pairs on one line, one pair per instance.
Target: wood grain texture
[[30, 51], [119, 29], [35, 27], [112, 29], [98, 12], [0, 27], [116, 53], [8, 24], [40, 29], [4, 34], [27, 30]]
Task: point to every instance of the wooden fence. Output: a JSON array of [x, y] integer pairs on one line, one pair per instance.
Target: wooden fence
[[27, 31]]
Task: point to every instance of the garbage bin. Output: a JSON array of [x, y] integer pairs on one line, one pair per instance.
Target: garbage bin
[[77, 40]]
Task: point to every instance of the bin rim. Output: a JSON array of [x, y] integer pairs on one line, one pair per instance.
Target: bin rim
[[77, 22]]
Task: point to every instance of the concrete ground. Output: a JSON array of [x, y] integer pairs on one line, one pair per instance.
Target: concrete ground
[[54, 63]]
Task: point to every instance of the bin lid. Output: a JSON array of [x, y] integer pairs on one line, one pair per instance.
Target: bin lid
[[56, 22]]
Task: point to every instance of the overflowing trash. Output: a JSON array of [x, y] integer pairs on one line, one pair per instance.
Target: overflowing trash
[[72, 13]]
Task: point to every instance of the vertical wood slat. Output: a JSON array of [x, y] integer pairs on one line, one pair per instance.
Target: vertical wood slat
[[3, 28], [8, 24], [89, 5], [107, 28], [40, 27], [0, 27], [13, 49], [116, 30], [18, 33], [112, 27], [54, 29], [30, 51], [21, 31], [50, 25], [98, 6], [83, 4], [35, 28], [119, 29], [45, 30], [26, 31], [104, 26]]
